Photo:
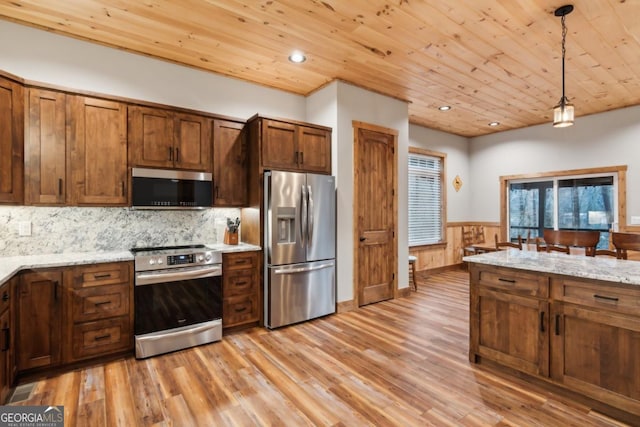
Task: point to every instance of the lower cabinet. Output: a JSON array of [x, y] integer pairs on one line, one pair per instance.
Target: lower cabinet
[[7, 335], [240, 289], [582, 335], [72, 314]]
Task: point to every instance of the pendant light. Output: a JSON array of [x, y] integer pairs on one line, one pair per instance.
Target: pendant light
[[563, 112]]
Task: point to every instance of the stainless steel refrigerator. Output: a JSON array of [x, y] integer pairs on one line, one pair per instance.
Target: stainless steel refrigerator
[[300, 247]]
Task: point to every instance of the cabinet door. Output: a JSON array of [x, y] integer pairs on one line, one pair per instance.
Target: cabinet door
[[314, 147], [279, 145], [150, 137], [192, 142], [98, 146], [511, 330], [596, 353], [5, 373], [230, 166], [46, 149], [39, 321], [11, 141]]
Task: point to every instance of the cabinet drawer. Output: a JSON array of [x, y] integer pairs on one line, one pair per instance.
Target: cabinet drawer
[[238, 261], [100, 302], [102, 337], [514, 281], [602, 296], [238, 282], [101, 274], [240, 310]]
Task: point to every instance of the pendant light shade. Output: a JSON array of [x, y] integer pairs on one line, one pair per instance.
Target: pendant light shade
[[563, 112]]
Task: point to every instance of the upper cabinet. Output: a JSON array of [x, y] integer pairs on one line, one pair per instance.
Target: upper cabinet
[[75, 150], [11, 141], [230, 164], [167, 139], [46, 148], [97, 142], [293, 146]]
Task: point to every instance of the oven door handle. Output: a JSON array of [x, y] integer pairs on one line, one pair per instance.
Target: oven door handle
[[164, 277]]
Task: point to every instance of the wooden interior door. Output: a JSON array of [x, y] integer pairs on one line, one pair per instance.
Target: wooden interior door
[[375, 213]]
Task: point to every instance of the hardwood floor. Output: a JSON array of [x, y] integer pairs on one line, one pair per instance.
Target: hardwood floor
[[402, 362]]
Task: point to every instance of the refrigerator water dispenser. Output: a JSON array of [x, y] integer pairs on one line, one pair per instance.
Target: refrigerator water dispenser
[[286, 222]]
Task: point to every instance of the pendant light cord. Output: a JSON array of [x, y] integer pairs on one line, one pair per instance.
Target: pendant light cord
[[564, 36]]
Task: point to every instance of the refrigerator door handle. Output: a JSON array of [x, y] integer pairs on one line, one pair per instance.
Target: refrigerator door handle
[[303, 269], [304, 212], [310, 213]]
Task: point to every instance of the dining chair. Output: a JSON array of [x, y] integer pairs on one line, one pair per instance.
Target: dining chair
[[563, 240], [507, 244], [471, 236], [624, 242]]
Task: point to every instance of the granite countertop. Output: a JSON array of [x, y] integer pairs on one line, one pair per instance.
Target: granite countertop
[[598, 268], [11, 265]]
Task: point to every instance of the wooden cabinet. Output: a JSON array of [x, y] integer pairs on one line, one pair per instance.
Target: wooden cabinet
[[46, 148], [169, 139], [99, 311], [580, 334], [68, 315], [7, 335], [240, 289], [97, 141], [294, 146], [75, 150], [39, 319], [511, 312], [230, 164], [11, 141], [596, 341]]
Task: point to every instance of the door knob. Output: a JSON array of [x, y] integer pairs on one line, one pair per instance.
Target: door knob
[[362, 239]]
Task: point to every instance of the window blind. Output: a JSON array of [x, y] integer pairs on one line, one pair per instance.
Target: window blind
[[425, 199]]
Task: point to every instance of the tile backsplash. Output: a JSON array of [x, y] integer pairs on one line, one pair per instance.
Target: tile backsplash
[[81, 229]]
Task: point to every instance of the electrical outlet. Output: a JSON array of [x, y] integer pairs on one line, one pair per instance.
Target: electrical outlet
[[24, 228]]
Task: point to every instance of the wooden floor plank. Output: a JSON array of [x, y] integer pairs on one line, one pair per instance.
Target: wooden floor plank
[[401, 362]]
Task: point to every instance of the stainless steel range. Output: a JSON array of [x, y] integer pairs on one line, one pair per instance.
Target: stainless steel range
[[178, 298]]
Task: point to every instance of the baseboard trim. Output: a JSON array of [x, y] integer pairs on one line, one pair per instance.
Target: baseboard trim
[[442, 269], [345, 306]]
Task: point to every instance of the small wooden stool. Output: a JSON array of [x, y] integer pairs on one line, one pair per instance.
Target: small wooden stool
[[412, 275]]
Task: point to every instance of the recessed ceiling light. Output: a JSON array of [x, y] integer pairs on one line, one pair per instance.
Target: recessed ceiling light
[[494, 124], [297, 57], [444, 108]]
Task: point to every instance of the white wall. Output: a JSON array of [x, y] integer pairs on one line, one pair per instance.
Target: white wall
[[49, 58], [354, 103], [599, 140], [457, 163]]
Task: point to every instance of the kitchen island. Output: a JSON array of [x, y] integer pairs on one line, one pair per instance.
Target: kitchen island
[[571, 321]]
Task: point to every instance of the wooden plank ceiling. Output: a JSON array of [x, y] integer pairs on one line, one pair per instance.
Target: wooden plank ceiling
[[490, 60]]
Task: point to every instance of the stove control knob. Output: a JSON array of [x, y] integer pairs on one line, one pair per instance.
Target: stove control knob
[[208, 257], [200, 258], [152, 261], [159, 260]]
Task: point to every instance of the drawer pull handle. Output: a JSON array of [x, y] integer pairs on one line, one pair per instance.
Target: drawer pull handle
[[102, 302], [557, 324], [542, 321], [244, 282], [240, 310], [102, 337], [604, 297], [5, 296], [507, 280], [102, 276]]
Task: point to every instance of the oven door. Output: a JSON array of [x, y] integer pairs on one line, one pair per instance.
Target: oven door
[[169, 299]]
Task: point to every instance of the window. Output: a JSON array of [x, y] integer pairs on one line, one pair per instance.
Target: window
[[426, 197], [563, 203]]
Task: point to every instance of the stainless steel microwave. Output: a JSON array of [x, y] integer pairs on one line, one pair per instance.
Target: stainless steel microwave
[[170, 189]]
